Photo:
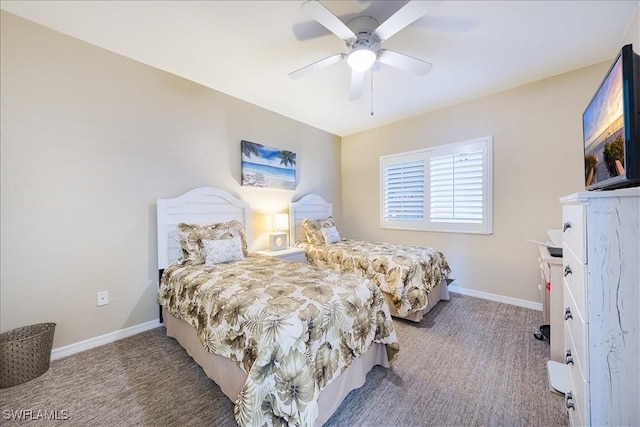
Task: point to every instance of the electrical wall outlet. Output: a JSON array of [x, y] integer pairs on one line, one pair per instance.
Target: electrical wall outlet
[[103, 298]]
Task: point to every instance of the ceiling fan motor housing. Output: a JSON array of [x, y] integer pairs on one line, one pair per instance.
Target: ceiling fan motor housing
[[363, 27]]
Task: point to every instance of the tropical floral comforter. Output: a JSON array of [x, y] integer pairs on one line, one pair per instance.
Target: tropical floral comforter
[[407, 273], [293, 328]]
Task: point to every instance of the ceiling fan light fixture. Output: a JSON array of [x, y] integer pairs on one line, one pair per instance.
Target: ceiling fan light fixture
[[361, 59]]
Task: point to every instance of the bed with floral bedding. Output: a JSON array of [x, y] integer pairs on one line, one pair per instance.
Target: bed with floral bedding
[[285, 341], [413, 278]]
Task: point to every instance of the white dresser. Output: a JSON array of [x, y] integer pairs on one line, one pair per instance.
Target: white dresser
[[601, 269]]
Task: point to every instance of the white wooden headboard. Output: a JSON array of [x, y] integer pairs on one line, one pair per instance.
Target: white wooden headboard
[[205, 205], [310, 206]]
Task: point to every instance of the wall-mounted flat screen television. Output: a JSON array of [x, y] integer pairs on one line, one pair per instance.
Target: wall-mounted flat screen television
[[611, 127]]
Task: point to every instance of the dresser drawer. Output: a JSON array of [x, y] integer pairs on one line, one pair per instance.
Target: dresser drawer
[[574, 273], [574, 234], [575, 419], [579, 392], [575, 336]]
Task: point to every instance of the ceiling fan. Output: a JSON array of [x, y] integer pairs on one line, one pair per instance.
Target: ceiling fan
[[364, 36]]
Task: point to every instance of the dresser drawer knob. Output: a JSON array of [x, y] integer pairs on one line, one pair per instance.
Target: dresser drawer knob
[[568, 358], [567, 271], [567, 314], [566, 226], [568, 401]]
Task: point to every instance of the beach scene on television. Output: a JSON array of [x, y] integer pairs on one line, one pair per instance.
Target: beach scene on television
[[267, 167], [603, 127]]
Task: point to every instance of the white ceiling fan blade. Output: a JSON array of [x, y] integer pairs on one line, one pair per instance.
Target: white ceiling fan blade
[[320, 13], [404, 62], [404, 17], [357, 81], [317, 65]]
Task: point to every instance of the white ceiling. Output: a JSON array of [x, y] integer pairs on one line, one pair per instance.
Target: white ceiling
[[246, 49]]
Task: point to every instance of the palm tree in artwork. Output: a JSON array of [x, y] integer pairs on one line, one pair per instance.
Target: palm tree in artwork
[[249, 148], [287, 158], [614, 156]]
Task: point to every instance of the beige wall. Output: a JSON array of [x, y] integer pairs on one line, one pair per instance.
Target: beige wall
[[537, 152], [90, 140]]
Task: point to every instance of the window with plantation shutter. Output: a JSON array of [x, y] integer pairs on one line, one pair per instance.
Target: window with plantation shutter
[[443, 188]]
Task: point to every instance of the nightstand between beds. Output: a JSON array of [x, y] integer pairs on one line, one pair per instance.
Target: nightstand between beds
[[290, 253]]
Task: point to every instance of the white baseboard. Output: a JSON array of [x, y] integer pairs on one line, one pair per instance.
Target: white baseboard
[[497, 298], [68, 350]]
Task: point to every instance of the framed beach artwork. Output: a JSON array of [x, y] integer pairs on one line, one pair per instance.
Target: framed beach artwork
[[268, 167]]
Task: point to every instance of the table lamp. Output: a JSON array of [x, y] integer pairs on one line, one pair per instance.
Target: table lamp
[[278, 235]]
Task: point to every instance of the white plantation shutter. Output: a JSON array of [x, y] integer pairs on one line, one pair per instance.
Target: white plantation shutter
[[404, 191], [402, 188], [444, 188], [456, 184]]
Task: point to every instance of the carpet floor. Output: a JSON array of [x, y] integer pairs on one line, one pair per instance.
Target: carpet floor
[[470, 362]]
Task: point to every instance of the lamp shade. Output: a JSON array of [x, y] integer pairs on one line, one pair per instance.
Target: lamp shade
[[280, 222]]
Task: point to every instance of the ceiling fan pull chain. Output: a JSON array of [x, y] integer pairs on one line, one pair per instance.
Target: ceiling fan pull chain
[[372, 92]]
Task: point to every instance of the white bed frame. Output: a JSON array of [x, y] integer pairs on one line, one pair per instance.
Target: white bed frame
[[313, 206], [208, 205]]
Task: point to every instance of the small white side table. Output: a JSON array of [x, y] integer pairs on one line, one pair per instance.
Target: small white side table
[[556, 304], [291, 254]]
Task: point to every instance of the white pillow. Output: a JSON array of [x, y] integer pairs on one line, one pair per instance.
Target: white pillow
[[222, 250], [330, 235]]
